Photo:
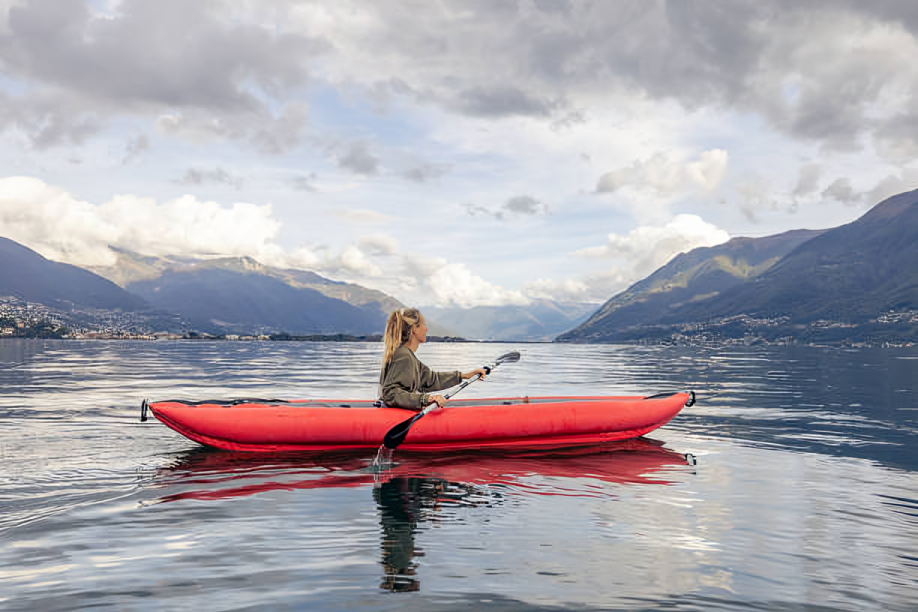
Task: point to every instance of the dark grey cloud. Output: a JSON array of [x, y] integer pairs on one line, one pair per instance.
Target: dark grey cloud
[[193, 176], [426, 172], [357, 158], [166, 52], [552, 6], [814, 70], [503, 101], [153, 56], [805, 68], [517, 206], [49, 121], [808, 180], [841, 190]]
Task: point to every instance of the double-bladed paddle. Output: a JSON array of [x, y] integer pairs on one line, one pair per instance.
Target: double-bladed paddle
[[396, 435]]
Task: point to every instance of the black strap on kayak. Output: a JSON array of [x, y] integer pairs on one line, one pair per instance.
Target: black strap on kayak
[[690, 402], [225, 402], [145, 405]]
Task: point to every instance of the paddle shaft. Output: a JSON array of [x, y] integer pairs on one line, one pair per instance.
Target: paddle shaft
[[396, 435]]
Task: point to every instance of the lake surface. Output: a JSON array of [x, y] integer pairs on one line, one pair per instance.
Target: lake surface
[[802, 494]]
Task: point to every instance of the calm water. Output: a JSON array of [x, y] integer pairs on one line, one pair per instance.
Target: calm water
[[804, 495]]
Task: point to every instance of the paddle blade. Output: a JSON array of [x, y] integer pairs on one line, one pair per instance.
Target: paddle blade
[[509, 358], [395, 436]]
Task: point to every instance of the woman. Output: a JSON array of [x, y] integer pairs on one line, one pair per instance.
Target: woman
[[404, 381]]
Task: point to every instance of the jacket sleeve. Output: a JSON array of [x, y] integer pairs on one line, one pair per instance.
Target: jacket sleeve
[[437, 381]]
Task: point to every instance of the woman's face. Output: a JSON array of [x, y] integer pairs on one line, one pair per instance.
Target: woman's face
[[419, 332]]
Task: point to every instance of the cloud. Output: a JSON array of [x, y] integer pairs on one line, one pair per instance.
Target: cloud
[[63, 228], [304, 182], [268, 131], [666, 175], [840, 189], [843, 191], [633, 257], [436, 282], [135, 147], [48, 120], [646, 248], [379, 245], [517, 206], [500, 101], [568, 290], [426, 172], [194, 176], [893, 184], [808, 180], [351, 261], [365, 216], [227, 75], [357, 158], [236, 66]]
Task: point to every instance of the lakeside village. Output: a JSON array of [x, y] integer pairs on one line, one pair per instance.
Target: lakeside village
[[20, 319]]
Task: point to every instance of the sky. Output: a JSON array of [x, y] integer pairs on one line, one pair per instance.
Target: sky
[[449, 153]]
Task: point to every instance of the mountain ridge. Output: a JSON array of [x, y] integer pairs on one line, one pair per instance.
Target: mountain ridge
[[833, 285], [29, 276]]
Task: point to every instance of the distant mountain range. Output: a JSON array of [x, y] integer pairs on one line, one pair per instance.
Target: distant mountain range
[[857, 283], [854, 283], [541, 320], [240, 295]]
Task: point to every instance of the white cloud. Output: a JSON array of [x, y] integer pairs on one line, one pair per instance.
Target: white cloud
[[646, 248], [365, 216], [64, 228], [379, 244], [569, 290], [433, 281], [666, 175]]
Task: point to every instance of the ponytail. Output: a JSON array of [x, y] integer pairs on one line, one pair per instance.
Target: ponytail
[[398, 330]]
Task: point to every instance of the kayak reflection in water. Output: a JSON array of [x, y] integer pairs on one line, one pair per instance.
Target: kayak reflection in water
[[404, 503], [405, 382]]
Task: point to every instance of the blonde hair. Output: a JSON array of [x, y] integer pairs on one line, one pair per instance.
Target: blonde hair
[[398, 329]]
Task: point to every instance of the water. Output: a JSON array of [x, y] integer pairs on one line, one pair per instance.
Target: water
[[791, 485]]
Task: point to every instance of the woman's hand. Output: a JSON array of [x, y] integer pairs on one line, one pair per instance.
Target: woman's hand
[[438, 399], [468, 375]]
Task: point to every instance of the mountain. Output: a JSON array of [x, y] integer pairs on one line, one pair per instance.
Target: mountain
[[28, 276], [849, 274], [835, 285], [541, 320], [131, 268], [217, 300], [694, 277]]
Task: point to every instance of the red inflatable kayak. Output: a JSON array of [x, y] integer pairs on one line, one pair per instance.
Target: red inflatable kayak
[[306, 425]]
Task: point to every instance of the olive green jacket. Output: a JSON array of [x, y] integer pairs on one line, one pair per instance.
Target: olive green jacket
[[407, 383]]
